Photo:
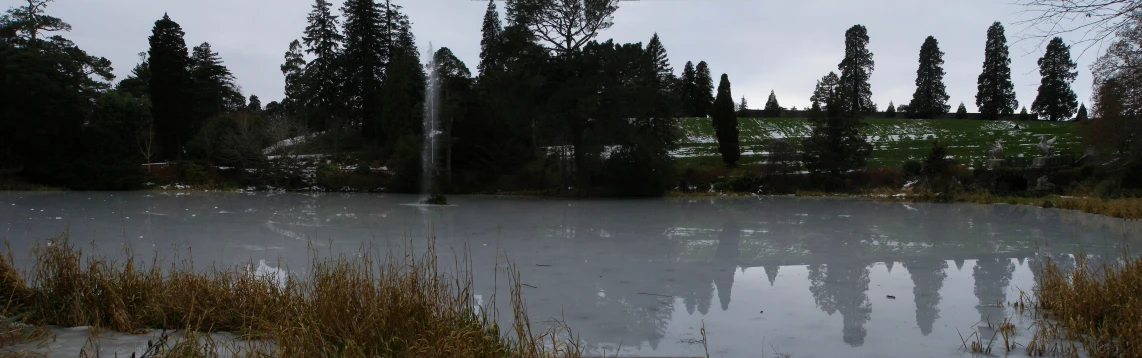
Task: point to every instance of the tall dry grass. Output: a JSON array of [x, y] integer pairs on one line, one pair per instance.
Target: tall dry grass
[[360, 305], [1097, 306]]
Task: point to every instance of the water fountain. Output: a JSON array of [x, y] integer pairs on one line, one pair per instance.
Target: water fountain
[[428, 155]]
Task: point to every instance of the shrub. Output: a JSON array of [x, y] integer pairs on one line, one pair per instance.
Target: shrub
[[1108, 188], [912, 168], [195, 174], [745, 181]]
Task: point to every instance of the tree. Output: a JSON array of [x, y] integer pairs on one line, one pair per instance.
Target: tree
[[138, 82], [255, 105], [1056, 101], [703, 90], [294, 71], [772, 108], [564, 26], [742, 107], [836, 145], [890, 112], [931, 98], [1023, 115], [856, 69], [1115, 128], [364, 64], [170, 85], [688, 89], [322, 39], [962, 111], [660, 62], [726, 123], [1098, 20], [1082, 115], [214, 90], [995, 94], [490, 40], [28, 21], [455, 83]]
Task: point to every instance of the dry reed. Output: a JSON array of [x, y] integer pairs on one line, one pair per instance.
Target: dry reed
[[1097, 306], [361, 305]]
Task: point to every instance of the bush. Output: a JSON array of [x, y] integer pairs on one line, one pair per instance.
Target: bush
[[745, 181], [881, 177], [195, 174], [912, 168], [1108, 188]]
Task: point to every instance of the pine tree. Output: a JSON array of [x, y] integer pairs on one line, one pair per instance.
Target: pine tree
[[772, 108], [827, 94], [688, 89], [996, 93], [962, 111], [726, 123], [742, 107], [890, 112], [1056, 100], [364, 62], [294, 71], [657, 54], [1023, 115], [931, 98], [490, 41], [1082, 116], [170, 83], [856, 69], [322, 84], [214, 88], [704, 91], [255, 105], [836, 144]]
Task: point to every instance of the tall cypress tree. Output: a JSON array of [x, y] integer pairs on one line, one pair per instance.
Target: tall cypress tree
[[490, 39], [772, 108], [704, 91], [1056, 100], [995, 94], [856, 69], [323, 41], [726, 123], [170, 82], [931, 98], [688, 88], [364, 60], [294, 71]]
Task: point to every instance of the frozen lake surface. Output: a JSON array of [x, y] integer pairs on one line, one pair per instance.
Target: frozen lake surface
[[809, 277]]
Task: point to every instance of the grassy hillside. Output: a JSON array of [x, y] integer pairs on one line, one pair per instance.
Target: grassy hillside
[[894, 140]]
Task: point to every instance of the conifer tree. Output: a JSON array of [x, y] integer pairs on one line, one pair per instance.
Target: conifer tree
[[169, 87], [254, 105], [742, 107], [995, 94], [661, 63], [856, 69], [1056, 101], [490, 40], [726, 123], [294, 71], [1082, 115], [1023, 115], [772, 108], [836, 144], [890, 112], [704, 91], [931, 98], [214, 88], [962, 111], [364, 62], [322, 86], [687, 89]]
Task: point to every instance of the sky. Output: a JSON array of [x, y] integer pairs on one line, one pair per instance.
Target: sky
[[783, 46]]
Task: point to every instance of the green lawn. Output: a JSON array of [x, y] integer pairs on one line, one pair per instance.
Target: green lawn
[[894, 140]]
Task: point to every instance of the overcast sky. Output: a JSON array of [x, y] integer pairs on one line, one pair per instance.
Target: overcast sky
[[783, 46]]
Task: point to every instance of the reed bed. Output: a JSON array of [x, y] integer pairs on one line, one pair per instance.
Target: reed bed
[[348, 305], [1099, 307]]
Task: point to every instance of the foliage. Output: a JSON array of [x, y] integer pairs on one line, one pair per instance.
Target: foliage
[[1023, 115], [772, 108], [1082, 114], [913, 168], [931, 98], [490, 40], [890, 112], [1056, 101], [962, 111], [726, 123], [703, 91], [836, 145], [170, 86], [856, 69], [995, 94], [687, 89]]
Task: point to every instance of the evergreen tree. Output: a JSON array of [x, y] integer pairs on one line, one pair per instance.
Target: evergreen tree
[[170, 85], [742, 107], [1023, 115], [255, 105], [726, 123], [657, 54], [704, 91], [688, 89], [294, 71], [364, 62], [996, 93], [836, 144], [1056, 101], [138, 82], [490, 40], [931, 98], [962, 111], [856, 69], [772, 108], [1082, 115], [890, 112], [322, 82], [214, 90]]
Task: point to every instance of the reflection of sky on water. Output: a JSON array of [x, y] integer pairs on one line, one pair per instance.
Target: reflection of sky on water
[[806, 276]]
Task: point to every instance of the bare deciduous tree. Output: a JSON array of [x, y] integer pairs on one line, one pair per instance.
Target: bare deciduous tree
[[1095, 20], [145, 141]]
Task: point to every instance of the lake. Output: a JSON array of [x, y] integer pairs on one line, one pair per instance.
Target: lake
[[765, 275]]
